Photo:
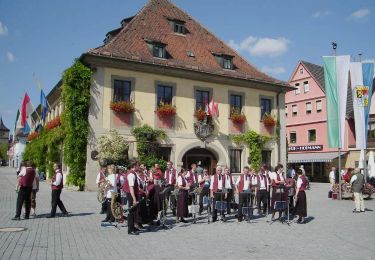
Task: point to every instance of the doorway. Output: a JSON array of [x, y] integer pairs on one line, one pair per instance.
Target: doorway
[[205, 157]]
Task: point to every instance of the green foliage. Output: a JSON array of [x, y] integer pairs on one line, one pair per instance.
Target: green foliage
[[112, 147], [3, 151], [255, 142], [46, 149], [76, 100], [148, 146]]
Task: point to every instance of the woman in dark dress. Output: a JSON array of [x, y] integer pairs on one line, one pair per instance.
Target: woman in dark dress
[[182, 200], [301, 207]]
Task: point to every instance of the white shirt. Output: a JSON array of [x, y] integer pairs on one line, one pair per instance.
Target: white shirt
[[353, 179], [170, 175], [179, 181], [131, 179], [299, 182], [219, 183], [58, 179], [201, 177], [273, 176], [332, 175], [22, 171], [112, 180], [262, 180], [246, 182], [228, 184]]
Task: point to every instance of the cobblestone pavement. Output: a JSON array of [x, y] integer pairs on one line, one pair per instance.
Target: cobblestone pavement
[[333, 232]]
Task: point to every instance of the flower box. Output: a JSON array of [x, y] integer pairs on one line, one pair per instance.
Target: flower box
[[269, 120], [54, 123], [165, 110], [237, 117], [123, 106], [32, 136]]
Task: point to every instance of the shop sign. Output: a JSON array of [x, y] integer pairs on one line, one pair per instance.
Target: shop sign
[[317, 147]]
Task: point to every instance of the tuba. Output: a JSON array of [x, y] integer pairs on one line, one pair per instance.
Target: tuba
[[103, 187], [116, 207]]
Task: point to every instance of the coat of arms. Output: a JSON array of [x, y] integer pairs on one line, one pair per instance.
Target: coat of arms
[[204, 128]]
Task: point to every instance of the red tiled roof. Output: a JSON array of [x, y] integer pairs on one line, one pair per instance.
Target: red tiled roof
[[153, 23]]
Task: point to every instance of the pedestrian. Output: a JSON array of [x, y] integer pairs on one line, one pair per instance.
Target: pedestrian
[[25, 183], [301, 206], [358, 181], [57, 186], [34, 190], [332, 177]]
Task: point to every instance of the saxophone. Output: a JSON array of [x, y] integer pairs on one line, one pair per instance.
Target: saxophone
[[103, 188]]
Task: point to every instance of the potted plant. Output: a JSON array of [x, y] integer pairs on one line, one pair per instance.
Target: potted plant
[[123, 106], [237, 117], [165, 110], [200, 114], [269, 120]]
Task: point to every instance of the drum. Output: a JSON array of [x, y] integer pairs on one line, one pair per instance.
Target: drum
[[221, 205]]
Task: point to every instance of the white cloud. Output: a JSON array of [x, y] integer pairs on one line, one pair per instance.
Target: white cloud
[[3, 29], [360, 14], [261, 46], [321, 13], [277, 70], [10, 57]]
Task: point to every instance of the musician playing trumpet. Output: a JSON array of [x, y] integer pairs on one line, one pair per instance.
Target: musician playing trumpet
[[218, 191], [182, 200]]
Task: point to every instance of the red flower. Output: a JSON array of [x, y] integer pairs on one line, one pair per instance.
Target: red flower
[[123, 106], [237, 117], [32, 136], [54, 123], [165, 110], [268, 120]]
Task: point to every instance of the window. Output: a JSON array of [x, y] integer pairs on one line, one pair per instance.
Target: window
[[179, 27], [293, 137], [294, 110], [306, 86], [235, 160], [266, 158], [158, 50], [121, 90], [164, 153], [265, 106], [164, 94], [236, 102], [201, 99], [312, 135], [227, 63], [318, 106], [308, 108], [286, 110], [301, 71], [297, 91]]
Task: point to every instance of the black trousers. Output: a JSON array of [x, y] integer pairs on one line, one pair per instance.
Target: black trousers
[[24, 196], [205, 192], [133, 215], [217, 197], [171, 199], [56, 201], [243, 201], [262, 197], [109, 216], [104, 206], [229, 200]]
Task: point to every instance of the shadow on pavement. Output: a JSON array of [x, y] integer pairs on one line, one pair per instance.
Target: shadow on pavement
[[309, 219]]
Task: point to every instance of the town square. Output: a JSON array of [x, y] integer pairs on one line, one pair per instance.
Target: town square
[[176, 129]]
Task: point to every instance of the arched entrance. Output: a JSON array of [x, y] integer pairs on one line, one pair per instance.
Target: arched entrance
[[206, 157]]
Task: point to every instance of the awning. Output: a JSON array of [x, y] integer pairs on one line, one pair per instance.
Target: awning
[[312, 157]]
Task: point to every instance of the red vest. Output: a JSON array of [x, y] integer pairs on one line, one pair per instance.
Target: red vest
[[158, 174], [183, 181], [304, 183], [241, 184], [166, 176], [216, 183], [61, 185], [193, 178], [202, 184], [28, 179], [126, 187], [277, 178]]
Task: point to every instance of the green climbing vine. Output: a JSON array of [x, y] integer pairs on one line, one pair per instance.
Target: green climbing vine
[[148, 146], [76, 100], [255, 142]]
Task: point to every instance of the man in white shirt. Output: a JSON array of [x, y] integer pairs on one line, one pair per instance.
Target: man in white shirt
[[218, 192], [243, 183], [111, 178], [229, 185], [332, 178], [57, 186]]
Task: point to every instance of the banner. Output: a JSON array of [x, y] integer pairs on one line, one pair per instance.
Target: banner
[[356, 80], [368, 78], [336, 72]]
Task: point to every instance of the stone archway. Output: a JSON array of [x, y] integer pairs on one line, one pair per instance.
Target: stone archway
[[200, 156]]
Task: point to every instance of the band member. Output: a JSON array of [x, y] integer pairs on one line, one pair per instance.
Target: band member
[[157, 174], [132, 196], [111, 178], [25, 182], [217, 191], [204, 183], [278, 189], [182, 201], [192, 176], [34, 191], [262, 182], [57, 186], [243, 191], [170, 176], [100, 178], [290, 184], [229, 185], [301, 206]]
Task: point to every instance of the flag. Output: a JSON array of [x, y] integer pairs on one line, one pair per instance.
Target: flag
[[212, 108], [17, 124], [368, 78], [336, 72], [356, 80], [26, 109], [43, 104]]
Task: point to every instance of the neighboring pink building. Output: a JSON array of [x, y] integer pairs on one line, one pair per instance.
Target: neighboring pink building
[[306, 123]]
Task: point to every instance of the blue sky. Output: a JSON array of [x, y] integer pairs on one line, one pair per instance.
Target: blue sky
[[43, 37]]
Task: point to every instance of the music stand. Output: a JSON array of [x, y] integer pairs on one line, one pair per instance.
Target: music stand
[[163, 215]]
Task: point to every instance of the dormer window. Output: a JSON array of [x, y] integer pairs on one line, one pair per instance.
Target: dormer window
[[179, 27], [158, 50], [225, 61]]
